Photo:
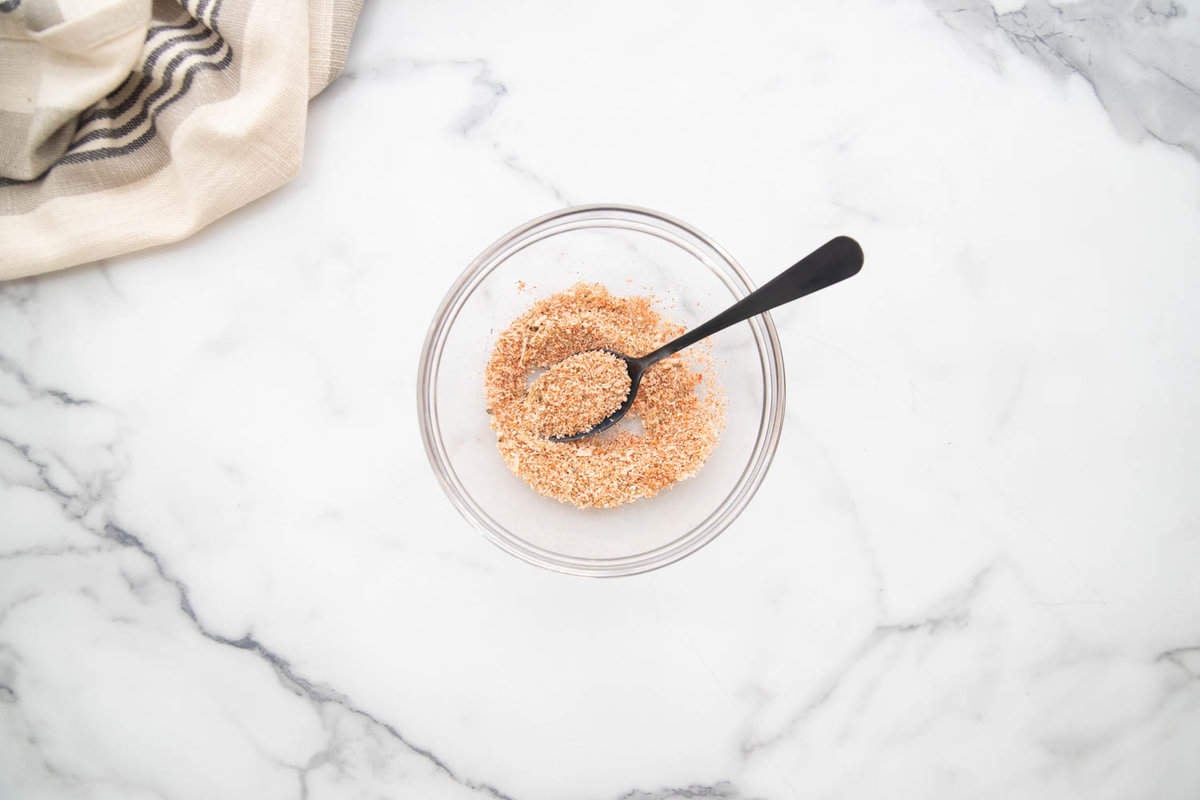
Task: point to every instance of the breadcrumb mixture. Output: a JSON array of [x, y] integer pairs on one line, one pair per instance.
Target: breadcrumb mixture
[[578, 393], [679, 406]]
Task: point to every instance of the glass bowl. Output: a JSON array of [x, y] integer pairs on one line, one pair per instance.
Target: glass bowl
[[632, 251]]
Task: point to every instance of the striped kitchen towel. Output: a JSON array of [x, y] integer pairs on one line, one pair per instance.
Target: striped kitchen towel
[[131, 123]]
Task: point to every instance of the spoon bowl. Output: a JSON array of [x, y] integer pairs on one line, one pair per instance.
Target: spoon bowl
[[636, 368]]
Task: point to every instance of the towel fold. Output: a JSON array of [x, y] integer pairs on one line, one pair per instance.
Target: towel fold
[[130, 123]]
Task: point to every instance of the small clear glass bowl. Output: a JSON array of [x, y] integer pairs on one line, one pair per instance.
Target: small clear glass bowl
[[632, 251]]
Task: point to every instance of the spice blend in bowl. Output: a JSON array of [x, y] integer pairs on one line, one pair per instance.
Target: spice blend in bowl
[[610, 245], [678, 406]]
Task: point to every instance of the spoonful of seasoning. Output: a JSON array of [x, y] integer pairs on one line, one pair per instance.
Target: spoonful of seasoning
[[591, 391]]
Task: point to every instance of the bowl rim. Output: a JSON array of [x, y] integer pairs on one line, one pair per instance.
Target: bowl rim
[[766, 442]]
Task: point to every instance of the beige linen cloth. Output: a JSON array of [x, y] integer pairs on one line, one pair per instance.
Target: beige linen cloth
[[131, 123]]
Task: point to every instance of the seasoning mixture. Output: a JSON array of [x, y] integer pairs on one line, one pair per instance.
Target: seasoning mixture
[[578, 393], [680, 408]]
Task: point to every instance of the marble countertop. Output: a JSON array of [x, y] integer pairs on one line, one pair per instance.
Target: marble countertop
[[227, 571]]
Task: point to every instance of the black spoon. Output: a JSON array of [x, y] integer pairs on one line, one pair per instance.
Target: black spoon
[[836, 260]]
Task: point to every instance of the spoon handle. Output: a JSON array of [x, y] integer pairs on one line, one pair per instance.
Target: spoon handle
[[836, 260]]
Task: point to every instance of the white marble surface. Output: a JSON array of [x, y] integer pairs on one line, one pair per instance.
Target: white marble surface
[[226, 570]]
